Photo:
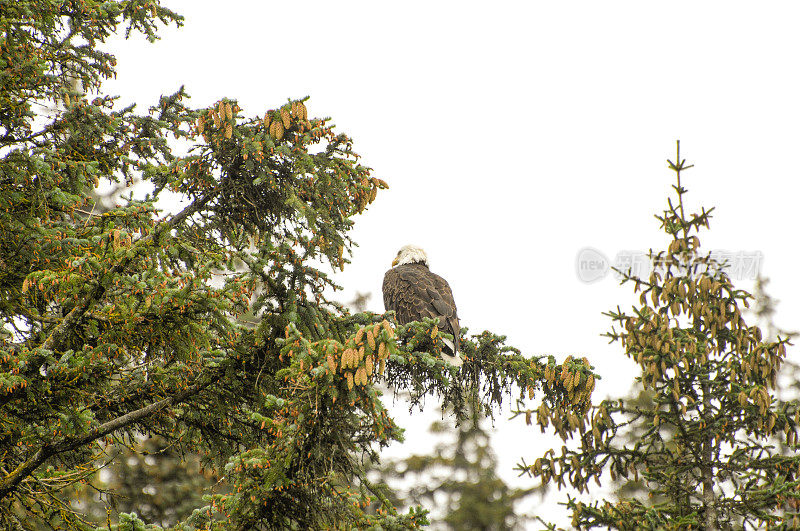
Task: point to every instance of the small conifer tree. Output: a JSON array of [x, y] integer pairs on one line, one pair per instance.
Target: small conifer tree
[[704, 450], [458, 479]]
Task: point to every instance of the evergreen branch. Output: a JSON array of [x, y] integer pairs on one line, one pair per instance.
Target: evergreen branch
[[72, 318], [68, 323], [9, 483]]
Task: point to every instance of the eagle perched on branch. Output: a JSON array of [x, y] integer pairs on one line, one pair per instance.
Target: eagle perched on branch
[[413, 292]]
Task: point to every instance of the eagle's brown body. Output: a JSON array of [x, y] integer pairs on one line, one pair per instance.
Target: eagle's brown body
[[413, 292]]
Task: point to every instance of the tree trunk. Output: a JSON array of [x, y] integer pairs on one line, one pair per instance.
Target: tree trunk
[[710, 516]]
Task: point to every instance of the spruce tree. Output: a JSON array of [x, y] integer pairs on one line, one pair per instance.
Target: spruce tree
[[459, 479], [150, 477], [207, 328], [704, 450]]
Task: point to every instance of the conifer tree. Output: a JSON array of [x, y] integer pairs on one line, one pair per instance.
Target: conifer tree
[[149, 477], [459, 480], [764, 311], [209, 327], [705, 451]]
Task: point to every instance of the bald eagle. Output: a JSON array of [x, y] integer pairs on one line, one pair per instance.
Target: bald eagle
[[413, 292]]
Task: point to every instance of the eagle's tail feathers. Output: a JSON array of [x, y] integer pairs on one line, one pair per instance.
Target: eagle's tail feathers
[[449, 344], [454, 360]]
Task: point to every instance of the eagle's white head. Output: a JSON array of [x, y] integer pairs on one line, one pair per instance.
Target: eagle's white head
[[410, 254]]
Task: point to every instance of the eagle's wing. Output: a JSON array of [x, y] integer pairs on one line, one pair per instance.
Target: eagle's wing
[[446, 306], [413, 292]]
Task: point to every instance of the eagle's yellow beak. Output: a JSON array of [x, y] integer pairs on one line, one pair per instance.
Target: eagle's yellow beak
[[394, 262]]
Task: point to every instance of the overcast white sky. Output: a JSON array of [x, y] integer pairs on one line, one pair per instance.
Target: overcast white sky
[[513, 134]]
